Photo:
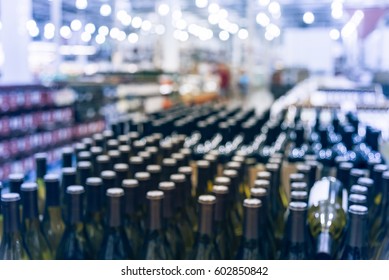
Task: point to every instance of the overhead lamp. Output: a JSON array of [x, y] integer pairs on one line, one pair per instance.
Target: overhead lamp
[[201, 3], [263, 3], [121, 36], [213, 19], [233, 28], [334, 34], [160, 29], [100, 39], [81, 4], [351, 26], [273, 29], [49, 31], [269, 36], [65, 32], [274, 7], [90, 28], [308, 17], [105, 10], [146, 25], [262, 19], [224, 35], [103, 30], [114, 32], [177, 14], [337, 10], [243, 34], [180, 35], [213, 8], [121, 15], [86, 37], [1, 25], [133, 38], [205, 34], [76, 25], [163, 9], [31, 24], [181, 24], [136, 22], [34, 32], [223, 13]]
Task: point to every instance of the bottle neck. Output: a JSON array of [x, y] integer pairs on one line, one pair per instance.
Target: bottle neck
[[52, 194], [114, 218], [93, 199], [221, 207], [74, 209], [385, 201], [357, 232], [155, 215], [168, 204], [297, 232], [251, 223], [30, 204], [202, 181], [206, 220], [11, 218], [131, 203], [180, 195]]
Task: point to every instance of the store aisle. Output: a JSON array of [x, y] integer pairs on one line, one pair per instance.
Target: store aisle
[[261, 100]]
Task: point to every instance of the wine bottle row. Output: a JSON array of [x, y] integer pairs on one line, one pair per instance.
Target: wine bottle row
[[207, 182]]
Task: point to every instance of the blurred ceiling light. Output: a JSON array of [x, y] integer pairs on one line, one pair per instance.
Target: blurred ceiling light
[[233, 28], [86, 37], [146, 25], [121, 15], [105, 10], [181, 24], [49, 27], [81, 4], [103, 30], [34, 32], [65, 32], [205, 34], [243, 34], [31, 24], [334, 34], [136, 22], [90, 28], [201, 3], [160, 29], [213, 8], [273, 29], [263, 2], [274, 7], [163, 9], [223, 13], [76, 25], [133, 38], [177, 14], [352, 25], [308, 17], [224, 35], [184, 36], [100, 39], [269, 36], [121, 36], [1, 25], [262, 19], [114, 32], [213, 19], [126, 21], [337, 9]]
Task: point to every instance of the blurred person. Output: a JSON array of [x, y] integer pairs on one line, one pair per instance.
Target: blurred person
[[243, 83], [224, 80]]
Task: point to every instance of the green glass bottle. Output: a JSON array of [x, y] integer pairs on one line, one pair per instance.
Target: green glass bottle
[[174, 236], [69, 178], [94, 213], [15, 182], [223, 229], [203, 178], [74, 244], [205, 247], [295, 243], [125, 152], [13, 246], [143, 179], [109, 181], [133, 215], [326, 217], [169, 167], [41, 170], [181, 215], [155, 246], [53, 225], [84, 171], [67, 157], [95, 153], [36, 242], [1, 214], [357, 234], [136, 165], [115, 245], [122, 173], [250, 245], [190, 202]]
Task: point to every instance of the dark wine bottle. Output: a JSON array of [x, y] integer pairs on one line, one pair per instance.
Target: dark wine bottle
[[94, 213], [115, 245], [41, 170], [84, 171], [357, 234], [122, 173], [74, 244], [203, 177], [155, 246], [250, 245], [67, 157], [205, 247], [13, 246]]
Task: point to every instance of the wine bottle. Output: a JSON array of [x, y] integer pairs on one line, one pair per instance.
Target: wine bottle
[[94, 213], [36, 242], [203, 177], [115, 245], [122, 173], [357, 199], [84, 171], [155, 174], [299, 196], [136, 165], [143, 179], [67, 157], [153, 151], [41, 170], [13, 246], [15, 182], [250, 245], [68, 179], [53, 225], [74, 244], [190, 204], [174, 236], [133, 215], [205, 247], [295, 243], [155, 246], [377, 188], [103, 163], [114, 157], [326, 217], [169, 167], [109, 181], [84, 156], [181, 215], [125, 152], [357, 234], [223, 229]]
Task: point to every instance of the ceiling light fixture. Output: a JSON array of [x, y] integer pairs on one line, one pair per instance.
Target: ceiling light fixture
[[201, 3], [105, 10], [308, 17], [163, 9], [81, 4]]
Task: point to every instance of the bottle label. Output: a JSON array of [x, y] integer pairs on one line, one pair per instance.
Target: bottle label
[[321, 192]]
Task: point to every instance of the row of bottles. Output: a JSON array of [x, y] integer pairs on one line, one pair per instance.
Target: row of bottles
[[208, 182]]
